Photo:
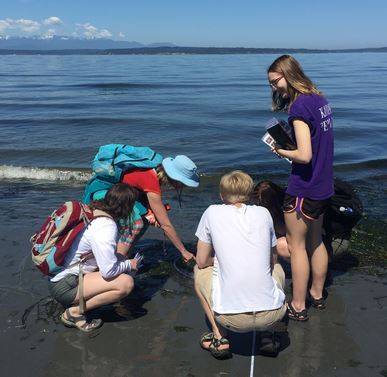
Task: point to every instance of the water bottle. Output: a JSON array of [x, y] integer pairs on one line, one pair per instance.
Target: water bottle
[[346, 210]]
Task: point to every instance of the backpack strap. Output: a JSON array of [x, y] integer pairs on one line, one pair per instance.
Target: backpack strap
[[99, 213], [82, 303]]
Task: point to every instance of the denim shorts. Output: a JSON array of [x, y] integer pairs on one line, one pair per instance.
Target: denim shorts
[[65, 290]]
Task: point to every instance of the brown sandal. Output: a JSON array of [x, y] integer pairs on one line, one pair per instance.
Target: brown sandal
[[71, 321], [318, 303], [293, 314]]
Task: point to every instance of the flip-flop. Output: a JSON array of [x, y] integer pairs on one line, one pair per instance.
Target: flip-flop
[[317, 303], [293, 314]]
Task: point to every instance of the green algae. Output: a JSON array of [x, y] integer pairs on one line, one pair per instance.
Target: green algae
[[368, 243]]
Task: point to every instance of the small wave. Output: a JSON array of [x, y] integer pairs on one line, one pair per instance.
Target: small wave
[[245, 113], [362, 165], [123, 85], [9, 172], [20, 172], [71, 121], [208, 178], [119, 85]]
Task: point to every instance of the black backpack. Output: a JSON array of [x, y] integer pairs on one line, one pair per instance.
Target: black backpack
[[344, 212]]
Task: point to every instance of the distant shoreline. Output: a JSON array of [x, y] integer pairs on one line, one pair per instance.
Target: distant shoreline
[[188, 51]]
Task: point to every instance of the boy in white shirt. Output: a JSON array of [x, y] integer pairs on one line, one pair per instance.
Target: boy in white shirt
[[237, 279]]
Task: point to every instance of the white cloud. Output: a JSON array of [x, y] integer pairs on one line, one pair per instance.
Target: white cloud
[[49, 34], [121, 35], [49, 27], [27, 26], [90, 32], [23, 25], [105, 33], [4, 25], [52, 21]]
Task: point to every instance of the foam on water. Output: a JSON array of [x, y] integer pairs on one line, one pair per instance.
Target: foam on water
[[20, 172]]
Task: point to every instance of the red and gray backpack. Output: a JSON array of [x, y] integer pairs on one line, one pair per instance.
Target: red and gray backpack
[[53, 241]]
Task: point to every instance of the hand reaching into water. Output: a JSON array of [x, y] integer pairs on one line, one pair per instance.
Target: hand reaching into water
[[188, 256]]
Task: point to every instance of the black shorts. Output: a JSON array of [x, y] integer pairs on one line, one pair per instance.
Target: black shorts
[[311, 209]]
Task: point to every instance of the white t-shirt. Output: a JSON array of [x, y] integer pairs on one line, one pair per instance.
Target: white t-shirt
[[100, 237], [242, 239]]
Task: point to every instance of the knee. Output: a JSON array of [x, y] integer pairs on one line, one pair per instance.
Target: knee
[[289, 246], [279, 275], [200, 289], [196, 278], [125, 285], [283, 248], [197, 287], [295, 247]]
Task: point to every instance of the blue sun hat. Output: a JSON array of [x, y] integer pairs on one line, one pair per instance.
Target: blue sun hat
[[181, 169]]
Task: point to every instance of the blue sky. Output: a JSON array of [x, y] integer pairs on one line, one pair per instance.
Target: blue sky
[[277, 23]]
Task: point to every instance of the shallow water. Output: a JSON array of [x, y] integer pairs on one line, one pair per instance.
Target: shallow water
[[56, 110]]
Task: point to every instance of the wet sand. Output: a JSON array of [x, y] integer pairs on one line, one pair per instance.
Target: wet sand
[[155, 331]]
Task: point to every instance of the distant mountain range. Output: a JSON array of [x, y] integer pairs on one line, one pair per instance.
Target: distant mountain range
[[70, 43], [64, 45]]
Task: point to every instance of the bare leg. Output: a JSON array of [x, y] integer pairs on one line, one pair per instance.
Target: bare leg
[[218, 332], [282, 248], [98, 291], [319, 258], [296, 231]]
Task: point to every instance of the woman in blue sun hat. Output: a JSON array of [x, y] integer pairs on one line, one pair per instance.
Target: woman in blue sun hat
[[176, 172]]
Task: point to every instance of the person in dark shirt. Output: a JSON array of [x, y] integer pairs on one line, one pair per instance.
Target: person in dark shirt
[[310, 184]]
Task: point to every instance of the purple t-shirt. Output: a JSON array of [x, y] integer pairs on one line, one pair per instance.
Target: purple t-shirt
[[313, 180]]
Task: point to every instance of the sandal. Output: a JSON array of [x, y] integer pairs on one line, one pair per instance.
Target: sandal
[[293, 314], [206, 337], [71, 321], [269, 344], [220, 354], [318, 303]]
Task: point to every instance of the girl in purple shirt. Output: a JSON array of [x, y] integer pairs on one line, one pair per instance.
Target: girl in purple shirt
[[310, 184]]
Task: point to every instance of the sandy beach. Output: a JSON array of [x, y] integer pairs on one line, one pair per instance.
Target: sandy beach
[[155, 331]]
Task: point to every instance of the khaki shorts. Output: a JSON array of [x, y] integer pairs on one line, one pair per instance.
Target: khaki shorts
[[241, 322]]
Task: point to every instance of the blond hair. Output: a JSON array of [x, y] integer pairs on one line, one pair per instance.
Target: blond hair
[[236, 187], [298, 82], [162, 176]]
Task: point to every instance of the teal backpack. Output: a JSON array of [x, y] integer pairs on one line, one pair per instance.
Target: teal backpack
[[109, 164]]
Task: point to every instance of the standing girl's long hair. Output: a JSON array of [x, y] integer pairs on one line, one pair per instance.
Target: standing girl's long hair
[[297, 81]]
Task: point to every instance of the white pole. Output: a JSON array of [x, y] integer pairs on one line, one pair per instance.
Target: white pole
[[253, 351]]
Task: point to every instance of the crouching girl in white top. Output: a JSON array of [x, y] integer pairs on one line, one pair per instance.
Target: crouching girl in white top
[[237, 279], [105, 280]]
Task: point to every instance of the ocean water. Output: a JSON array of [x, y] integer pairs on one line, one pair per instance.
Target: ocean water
[[55, 111]]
